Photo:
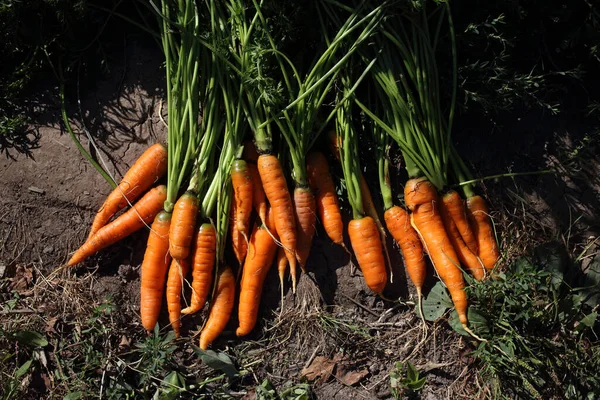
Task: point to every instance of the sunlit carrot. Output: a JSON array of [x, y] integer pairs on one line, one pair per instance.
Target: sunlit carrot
[[259, 199], [203, 261], [479, 218], [455, 206], [220, 307], [183, 225], [177, 273], [366, 243], [306, 218], [241, 180]]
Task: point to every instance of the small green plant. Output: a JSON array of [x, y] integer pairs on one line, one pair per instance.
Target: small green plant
[[266, 391], [405, 380]]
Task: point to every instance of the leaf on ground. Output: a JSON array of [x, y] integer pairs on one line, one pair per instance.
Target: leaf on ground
[[217, 361], [436, 303], [321, 367], [477, 323], [23, 279], [51, 324], [351, 378], [31, 338]]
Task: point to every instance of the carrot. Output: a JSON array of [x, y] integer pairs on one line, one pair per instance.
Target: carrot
[[455, 206], [147, 169], [142, 213], [220, 307], [465, 255], [177, 273], [259, 200], [154, 270], [304, 207], [203, 261], [366, 242], [478, 215], [398, 223], [326, 198], [242, 193], [281, 267], [275, 186], [182, 225], [238, 241], [428, 223], [260, 257]]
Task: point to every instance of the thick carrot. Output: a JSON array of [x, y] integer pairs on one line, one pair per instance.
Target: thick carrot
[[326, 197], [259, 199], [279, 197], [428, 223], [238, 241], [398, 223], [183, 225], [479, 218], [455, 206], [203, 262], [154, 270], [465, 255], [177, 272], [306, 218], [260, 258], [141, 214], [366, 242], [241, 180], [418, 191], [220, 307], [147, 169]]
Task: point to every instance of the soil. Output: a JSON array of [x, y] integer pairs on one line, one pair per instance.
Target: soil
[[48, 202]]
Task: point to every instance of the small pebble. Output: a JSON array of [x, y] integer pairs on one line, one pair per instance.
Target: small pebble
[[48, 249]]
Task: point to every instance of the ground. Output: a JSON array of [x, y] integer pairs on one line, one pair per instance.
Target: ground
[[334, 333]]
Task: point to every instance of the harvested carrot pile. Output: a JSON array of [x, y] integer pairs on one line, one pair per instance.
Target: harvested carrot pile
[[244, 177]]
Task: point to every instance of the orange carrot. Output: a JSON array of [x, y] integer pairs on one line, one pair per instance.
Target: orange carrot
[[241, 180], [366, 242], [465, 255], [154, 270], [398, 223], [479, 218], [147, 169], [260, 257], [259, 200], [203, 262], [455, 206], [304, 207], [183, 225], [141, 214], [177, 273], [422, 196], [281, 266], [275, 185], [220, 307], [238, 241], [326, 198]]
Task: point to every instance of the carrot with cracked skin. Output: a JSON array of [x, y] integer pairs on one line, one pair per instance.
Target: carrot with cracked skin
[[397, 221], [238, 241], [479, 217], [455, 206], [154, 270], [421, 196], [146, 170], [141, 214], [277, 193], [260, 257], [177, 273], [220, 307], [183, 225], [203, 262], [306, 218], [326, 197], [241, 180], [366, 243], [465, 255], [259, 199]]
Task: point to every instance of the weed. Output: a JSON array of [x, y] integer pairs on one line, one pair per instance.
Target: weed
[[405, 380]]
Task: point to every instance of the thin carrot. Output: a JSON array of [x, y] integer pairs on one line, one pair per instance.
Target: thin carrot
[[465, 255], [326, 197], [479, 218], [456, 209], [238, 241], [398, 223], [141, 214], [241, 180], [183, 225], [279, 197], [147, 169], [260, 258], [220, 307], [177, 272], [154, 270], [306, 218], [203, 262], [281, 268], [366, 243], [259, 199]]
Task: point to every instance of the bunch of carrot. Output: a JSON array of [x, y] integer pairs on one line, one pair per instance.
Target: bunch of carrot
[[237, 211]]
